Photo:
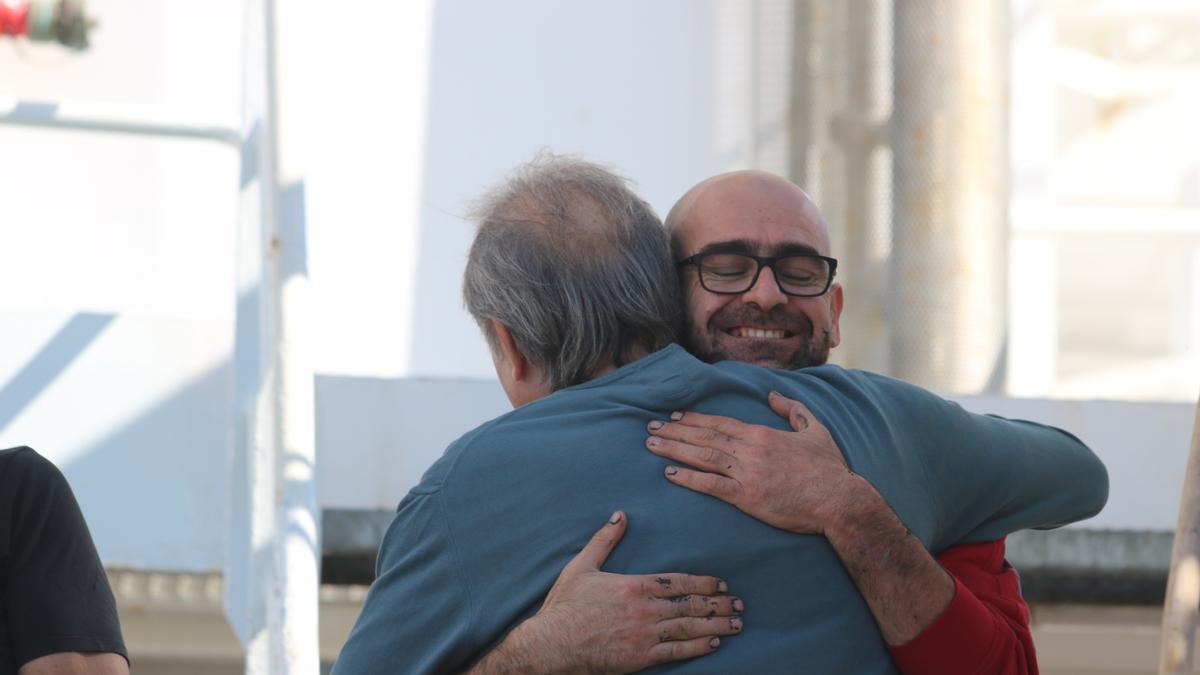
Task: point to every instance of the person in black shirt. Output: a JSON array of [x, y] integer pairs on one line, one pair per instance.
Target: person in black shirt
[[57, 612]]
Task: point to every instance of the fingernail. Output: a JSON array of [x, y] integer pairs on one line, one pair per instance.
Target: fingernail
[[655, 425], [735, 623], [774, 393], [738, 606], [672, 470], [714, 642], [676, 416], [722, 587], [616, 518], [653, 441]]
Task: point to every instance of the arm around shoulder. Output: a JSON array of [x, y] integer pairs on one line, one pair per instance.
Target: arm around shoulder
[[1003, 475]]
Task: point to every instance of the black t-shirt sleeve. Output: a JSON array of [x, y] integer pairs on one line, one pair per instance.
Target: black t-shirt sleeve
[[56, 596]]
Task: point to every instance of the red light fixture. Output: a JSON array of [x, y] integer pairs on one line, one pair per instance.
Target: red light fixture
[[61, 21]]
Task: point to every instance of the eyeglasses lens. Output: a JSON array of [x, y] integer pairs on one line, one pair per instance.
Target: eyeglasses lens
[[796, 275]]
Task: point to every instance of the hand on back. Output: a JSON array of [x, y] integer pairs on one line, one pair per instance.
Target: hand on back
[[794, 480], [597, 622]]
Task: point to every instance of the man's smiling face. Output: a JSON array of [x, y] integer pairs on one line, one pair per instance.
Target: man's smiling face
[[764, 215]]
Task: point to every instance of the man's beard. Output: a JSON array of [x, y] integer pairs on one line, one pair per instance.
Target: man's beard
[[705, 342]]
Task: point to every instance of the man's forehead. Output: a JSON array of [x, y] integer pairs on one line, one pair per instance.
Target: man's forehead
[[758, 247], [756, 232], [766, 212]]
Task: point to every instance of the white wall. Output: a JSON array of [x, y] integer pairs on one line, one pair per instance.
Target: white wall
[[117, 253], [117, 278]]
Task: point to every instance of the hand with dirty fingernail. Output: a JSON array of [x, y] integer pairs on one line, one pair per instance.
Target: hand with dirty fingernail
[[596, 622], [795, 480]]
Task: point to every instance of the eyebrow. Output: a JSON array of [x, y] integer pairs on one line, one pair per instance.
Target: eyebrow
[[747, 247]]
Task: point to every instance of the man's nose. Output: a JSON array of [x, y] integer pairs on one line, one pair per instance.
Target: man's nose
[[765, 292]]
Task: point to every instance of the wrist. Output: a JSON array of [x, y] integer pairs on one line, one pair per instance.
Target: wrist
[[905, 588], [858, 508], [526, 650]]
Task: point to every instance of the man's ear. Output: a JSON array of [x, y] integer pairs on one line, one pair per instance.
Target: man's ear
[[512, 357], [835, 312]]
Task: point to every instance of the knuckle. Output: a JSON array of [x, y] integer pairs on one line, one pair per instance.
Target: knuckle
[[754, 494], [680, 605], [651, 611], [661, 583], [726, 430], [712, 605], [685, 585], [673, 652], [601, 539], [760, 435], [686, 605], [632, 588]]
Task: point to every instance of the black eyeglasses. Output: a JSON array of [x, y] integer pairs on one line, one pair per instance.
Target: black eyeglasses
[[802, 275]]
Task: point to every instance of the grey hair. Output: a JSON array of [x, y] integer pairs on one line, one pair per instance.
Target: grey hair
[[575, 265]]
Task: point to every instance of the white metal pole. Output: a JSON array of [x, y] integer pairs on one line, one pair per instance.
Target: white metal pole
[[294, 621], [250, 571], [950, 194], [273, 577], [1180, 619], [860, 131], [804, 104]]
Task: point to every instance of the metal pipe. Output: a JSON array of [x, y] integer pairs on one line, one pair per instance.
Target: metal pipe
[[107, 118], [272, 599], [294, 619], [250, 577], [859, 129], [950, 195], [801, 104], [1178, 647]]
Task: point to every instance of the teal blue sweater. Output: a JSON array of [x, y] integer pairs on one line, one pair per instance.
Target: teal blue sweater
[[477, 544]]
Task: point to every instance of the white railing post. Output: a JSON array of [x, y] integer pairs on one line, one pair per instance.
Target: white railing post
[[273, 577], [1178, 647]]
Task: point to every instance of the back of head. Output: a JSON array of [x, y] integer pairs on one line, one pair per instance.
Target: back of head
[[575, 265]]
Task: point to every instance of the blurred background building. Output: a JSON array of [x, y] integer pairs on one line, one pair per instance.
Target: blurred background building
[[1019, 230]]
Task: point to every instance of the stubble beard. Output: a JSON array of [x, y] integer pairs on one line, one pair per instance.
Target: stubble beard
[[706, 342]]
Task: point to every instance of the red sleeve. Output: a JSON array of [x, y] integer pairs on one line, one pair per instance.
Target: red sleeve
[[985, 630]]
